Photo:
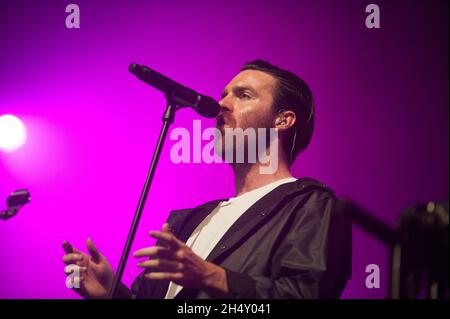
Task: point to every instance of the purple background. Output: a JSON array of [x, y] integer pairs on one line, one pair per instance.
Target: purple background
[[381, 98]]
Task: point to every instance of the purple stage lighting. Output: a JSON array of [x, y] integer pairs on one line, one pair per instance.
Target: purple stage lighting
[[13, 134]]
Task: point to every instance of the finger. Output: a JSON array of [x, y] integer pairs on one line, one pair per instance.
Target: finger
[[76, 263], [77, 251], [147, 252], [165, 228], [72, 258], [164, 275], [155, 251], [167, 238], [68, 248], [165, 254], [81, 270], [93, 251], [163, 265]]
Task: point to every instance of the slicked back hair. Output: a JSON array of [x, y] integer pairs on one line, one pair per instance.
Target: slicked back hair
[[292, 93]]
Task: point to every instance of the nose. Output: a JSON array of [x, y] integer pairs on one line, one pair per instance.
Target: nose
[[225, 105], [223, 109]]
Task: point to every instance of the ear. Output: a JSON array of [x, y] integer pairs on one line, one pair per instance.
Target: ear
[[285, 120]]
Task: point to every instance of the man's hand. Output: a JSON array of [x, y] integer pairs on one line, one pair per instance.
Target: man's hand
[[96, 274], [177, 262]]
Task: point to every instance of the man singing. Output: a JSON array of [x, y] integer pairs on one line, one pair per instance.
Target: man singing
[[279, 237]]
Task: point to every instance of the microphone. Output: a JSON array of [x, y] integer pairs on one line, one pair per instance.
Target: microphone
[[204, 105]]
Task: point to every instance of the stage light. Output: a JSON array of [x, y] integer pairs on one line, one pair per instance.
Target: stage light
[[12, 133]]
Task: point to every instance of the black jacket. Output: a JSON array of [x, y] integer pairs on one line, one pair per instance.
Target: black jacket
[[290, 244]]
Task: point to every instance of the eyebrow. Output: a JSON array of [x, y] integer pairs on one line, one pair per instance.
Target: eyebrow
[[238, 88]]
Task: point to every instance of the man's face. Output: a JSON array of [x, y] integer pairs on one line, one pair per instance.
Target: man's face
[[246, 104], [247, 101]]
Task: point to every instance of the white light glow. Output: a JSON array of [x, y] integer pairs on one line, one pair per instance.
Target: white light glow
[[12, 133]]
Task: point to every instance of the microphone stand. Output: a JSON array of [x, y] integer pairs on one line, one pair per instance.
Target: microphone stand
[[168, 118]]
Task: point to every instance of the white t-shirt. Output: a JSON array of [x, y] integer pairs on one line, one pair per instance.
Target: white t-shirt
[[209, 232]]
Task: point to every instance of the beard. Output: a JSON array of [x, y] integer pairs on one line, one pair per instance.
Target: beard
[[238, 143]]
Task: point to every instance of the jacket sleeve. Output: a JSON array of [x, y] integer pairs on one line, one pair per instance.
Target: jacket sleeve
[[123, 292], [300, 267], [141, 288]]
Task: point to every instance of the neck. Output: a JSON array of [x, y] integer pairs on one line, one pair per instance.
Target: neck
[[247, 177]]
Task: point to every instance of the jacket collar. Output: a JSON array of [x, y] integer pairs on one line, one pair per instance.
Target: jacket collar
[[184, 222], [257, 214]]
